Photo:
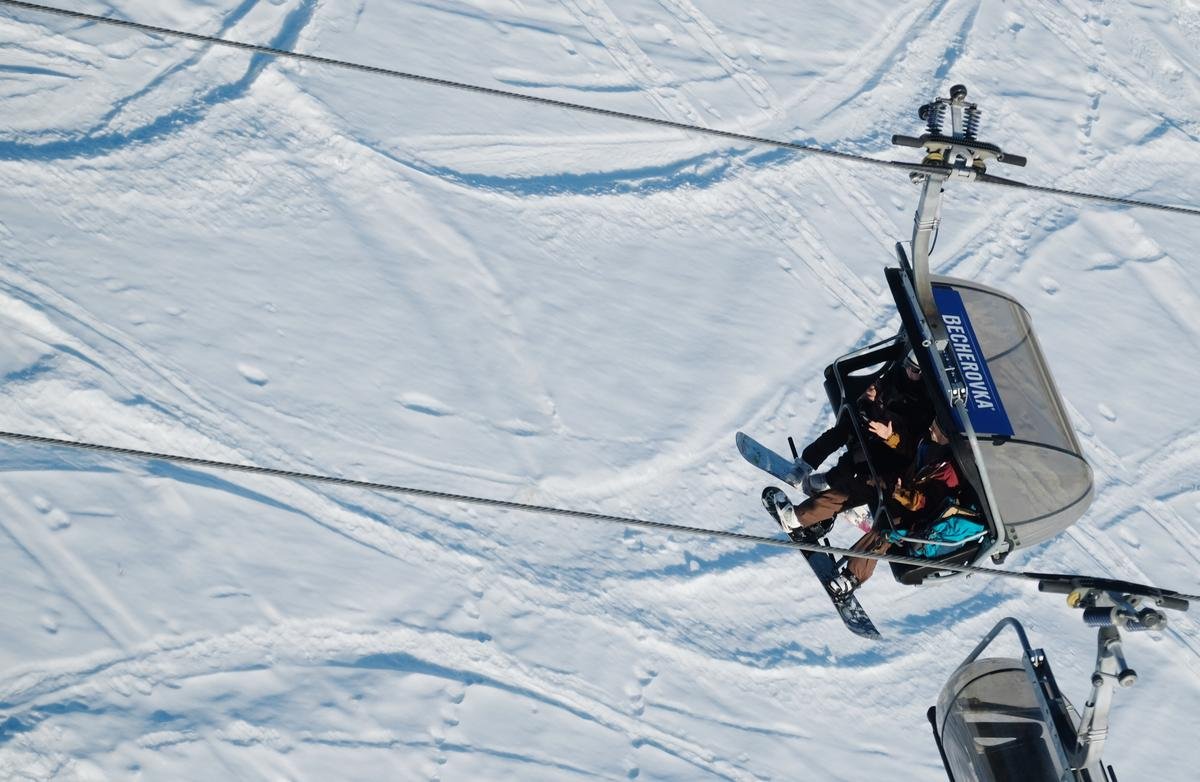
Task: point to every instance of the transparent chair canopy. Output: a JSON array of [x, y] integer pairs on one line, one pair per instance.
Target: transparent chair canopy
[[1040, 481], [991, 726]]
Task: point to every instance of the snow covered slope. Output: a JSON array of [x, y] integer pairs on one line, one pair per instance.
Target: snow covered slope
[[224, 255]]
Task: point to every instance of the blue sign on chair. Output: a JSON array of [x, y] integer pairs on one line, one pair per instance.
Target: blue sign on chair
[[984, 406]]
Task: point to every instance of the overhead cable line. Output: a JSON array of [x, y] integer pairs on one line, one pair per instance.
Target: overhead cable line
[[434, 81], [540, 509], [989, 179], [621, 115]]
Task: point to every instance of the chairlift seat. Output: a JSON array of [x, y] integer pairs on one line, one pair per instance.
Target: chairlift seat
[[912, 575], [1005, 718]]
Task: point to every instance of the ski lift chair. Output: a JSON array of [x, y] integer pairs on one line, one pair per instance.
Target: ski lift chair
[[1005, 718], [987, 378], [994, 398]]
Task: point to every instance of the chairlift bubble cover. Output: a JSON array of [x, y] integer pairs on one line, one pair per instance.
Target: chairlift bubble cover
[[1040, 479], [992, 728]]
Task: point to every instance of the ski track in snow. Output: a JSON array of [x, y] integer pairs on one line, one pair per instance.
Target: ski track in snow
[[96, 142], [106, 684], [72, 575], [714, 43], [778, 216], [1064, 29], [894, 63]]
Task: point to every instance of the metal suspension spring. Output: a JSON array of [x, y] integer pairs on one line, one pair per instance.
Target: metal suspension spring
[[934, 115], [1108, 617], [971, 130], [1099, 617]]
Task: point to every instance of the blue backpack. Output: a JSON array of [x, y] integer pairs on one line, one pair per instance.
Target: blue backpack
[[952, 530]]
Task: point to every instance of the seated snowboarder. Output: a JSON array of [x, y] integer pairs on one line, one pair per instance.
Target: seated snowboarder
[[927, 507], [890, 446]]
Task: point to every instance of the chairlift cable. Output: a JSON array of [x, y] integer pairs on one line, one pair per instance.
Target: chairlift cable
[[434, 81], [1003, 182], [432, 494], [479, 89]]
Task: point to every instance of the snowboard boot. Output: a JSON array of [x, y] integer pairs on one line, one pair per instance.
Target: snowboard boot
[[800, 472], [779, 506], [814, 483]]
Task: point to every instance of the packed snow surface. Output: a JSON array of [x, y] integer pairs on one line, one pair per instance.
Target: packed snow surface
[[235, 257]]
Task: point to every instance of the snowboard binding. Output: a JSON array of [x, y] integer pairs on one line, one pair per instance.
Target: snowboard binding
[[781, 509], [842, 587]]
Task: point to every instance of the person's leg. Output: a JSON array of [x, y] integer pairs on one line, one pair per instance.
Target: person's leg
[[843, 476], [826, 445], [823, 506], [857, 569], [872, 542]]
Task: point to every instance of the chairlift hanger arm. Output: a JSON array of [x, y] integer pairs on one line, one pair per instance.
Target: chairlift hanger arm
[[1109, 611], [925, 227], [1093, 723], [959, 155], [479, 89]]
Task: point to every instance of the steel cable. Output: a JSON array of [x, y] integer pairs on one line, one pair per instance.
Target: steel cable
[[525, 507], [432, 80], [621, 115]]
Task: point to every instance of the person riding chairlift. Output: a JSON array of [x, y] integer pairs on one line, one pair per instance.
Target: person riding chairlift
[[898, 397], [896, 410], [928, 508]]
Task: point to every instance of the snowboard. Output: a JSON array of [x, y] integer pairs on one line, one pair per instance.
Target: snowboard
[[823, 565], [826, 569], [767, 460]]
